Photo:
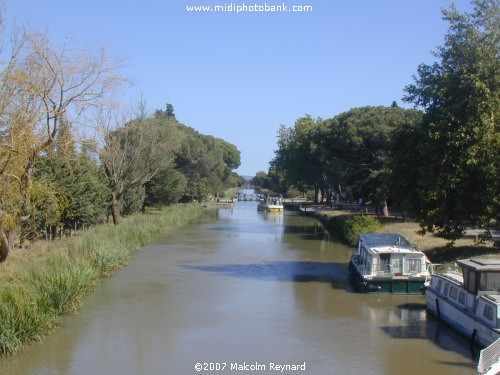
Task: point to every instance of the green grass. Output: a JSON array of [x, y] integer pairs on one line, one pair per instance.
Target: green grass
[[51, 278]]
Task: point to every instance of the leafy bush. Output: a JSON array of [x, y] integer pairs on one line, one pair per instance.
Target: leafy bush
[[358, 224]]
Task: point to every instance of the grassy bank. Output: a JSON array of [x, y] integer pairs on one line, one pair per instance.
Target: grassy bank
[[341, 223], [436, 248], [51, 278]]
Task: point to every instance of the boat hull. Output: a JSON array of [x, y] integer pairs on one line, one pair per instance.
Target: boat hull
[[268, 208], [385, 284], [459, 319]]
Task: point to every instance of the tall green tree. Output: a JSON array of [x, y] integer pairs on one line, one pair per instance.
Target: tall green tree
[[168, 113], [358, 143], [167, 187], [448, 171], [230, 154], [299, 156], [133, 154], [207, 163], [261, 179], [82, 189]]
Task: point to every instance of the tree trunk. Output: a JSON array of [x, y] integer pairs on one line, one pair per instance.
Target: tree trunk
[[25, 187], [385, 209], [115, 211], [4, 246]]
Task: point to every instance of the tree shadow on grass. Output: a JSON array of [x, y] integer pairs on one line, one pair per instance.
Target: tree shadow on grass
[[446, 254]]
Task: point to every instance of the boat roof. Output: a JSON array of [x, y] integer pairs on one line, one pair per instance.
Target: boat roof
[[386, 243], [450, 276], [494, 298], [480, 264], [384, 239]]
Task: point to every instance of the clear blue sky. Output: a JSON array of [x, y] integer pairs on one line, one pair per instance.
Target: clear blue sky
[[238, 76]]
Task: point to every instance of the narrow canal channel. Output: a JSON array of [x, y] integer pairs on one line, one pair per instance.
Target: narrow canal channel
[[244, 292]]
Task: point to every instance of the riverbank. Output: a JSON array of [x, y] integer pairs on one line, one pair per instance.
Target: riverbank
[[436, 248], [51, 278]]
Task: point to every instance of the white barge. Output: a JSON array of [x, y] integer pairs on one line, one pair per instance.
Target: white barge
[[271, 204], [468, 302], [387, 263]]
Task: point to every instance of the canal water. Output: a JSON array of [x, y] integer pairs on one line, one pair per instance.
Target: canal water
[[242, 291]]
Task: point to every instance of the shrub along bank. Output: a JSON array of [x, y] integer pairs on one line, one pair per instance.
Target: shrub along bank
[[37, 286], [349, 227]]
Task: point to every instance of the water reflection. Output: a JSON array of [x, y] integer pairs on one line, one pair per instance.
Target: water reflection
[[410, 321], [272, 217], [312, 233]]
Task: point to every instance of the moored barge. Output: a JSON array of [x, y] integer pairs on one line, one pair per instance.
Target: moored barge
[[387, 263]]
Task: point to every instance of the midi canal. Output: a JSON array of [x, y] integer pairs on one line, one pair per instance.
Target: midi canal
[[250, 290]]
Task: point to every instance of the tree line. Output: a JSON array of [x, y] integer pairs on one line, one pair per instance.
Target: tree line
[[71, 155], [439, 160]]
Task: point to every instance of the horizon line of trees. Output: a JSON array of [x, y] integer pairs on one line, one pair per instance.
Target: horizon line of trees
[[440, 160]]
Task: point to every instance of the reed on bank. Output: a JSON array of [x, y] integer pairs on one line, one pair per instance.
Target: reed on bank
[[37, 285]]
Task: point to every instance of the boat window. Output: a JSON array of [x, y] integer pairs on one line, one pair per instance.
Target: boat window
[[453, 292], [489, 281], [446, 286], [440, 284], [471, 285], [488, 312], [461, 298], [413, 265], [385, 262]]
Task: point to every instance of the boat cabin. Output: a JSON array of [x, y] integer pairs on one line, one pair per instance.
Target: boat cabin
[[384, 254], [476, 293], [481, 279], [481, 275]]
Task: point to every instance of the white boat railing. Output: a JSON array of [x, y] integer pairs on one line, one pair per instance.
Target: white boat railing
[[438, 268], [488, 358]]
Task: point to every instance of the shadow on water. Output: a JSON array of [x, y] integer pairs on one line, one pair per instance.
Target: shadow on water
[[421, 325], [248, 229], [306, 232], [315, 232], [333, 273]]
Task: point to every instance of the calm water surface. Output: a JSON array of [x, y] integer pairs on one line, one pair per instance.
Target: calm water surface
[[247, 288]]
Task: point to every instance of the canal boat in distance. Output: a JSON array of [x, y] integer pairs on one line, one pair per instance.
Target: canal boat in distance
[[271, 204], [468, 301], [387, 263]]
